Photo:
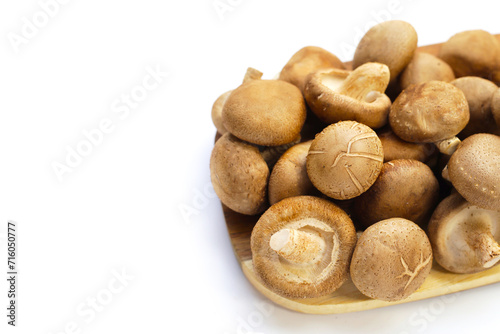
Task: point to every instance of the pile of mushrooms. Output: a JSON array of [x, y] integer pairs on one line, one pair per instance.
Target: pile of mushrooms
[[369, 173]]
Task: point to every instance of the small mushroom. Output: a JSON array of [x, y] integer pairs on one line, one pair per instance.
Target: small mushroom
[[271, 154], [265, 112], [289, 175], [495, 106], [217, 112], [431, 112], [474, 170], [464, 237], [335, 95], [302, 246], [345, 159], [239, 175], [391, 260], [396, 148], [307, 60], [473, 52], [405, 189], [479, 93], [391, 42], [425, 67]]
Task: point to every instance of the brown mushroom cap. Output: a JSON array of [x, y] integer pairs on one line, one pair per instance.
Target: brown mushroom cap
[[474, 170], [464, 237], [495, 106], [405, 189], [345, 159], [391, 260], [472, 52], [265, 112], [289, 175], [217, 112], [302, 246], [391, 42], [429, 112], [396, 148], [307, 60], [425, 67], [239, 175], [336, 95], [479, 93]]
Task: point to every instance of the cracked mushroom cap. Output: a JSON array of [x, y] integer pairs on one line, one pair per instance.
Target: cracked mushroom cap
[[429, 112], [302, 246], [307, 60], [425, 67], [239, 175], [345, 159], [391, 260], [265, 112], [474, 170], [337, 95], [405, 189], [464, 237], [391, 42]]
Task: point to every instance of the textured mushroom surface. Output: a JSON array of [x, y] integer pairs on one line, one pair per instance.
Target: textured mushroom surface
[[396, 148], [474, 170], [391, 260], [464, 237], [265, 112], [345, 159], [302, 246], [425, 67], [217, 112], [239, 175]]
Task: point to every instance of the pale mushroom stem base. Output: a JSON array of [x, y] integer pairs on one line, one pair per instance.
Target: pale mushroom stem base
[[448, 146], [487, 249], [297, 246]]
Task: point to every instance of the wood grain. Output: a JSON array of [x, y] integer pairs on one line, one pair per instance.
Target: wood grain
[[348, 298]]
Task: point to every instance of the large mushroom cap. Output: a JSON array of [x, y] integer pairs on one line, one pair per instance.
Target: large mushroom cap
[[429, 112], [239, 175], [425, 67], [464, 237], [302, 246], [217, 112], [391, 260], [391, 42], [345, 159], [474, 170]]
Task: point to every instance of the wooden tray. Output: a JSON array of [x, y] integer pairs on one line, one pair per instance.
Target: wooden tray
[[348, 298]]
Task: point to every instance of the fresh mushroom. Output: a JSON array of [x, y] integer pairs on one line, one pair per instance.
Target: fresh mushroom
[[464, 237], [473, 52], [345, 159], [307, 60], [474, 170], [265, 112], [289, 175], [391, 260], [302, 246], [335, 95], [217, 112], [425, 67], [431, 112], [396, 148], [391, 42], [405, 189], [239, 175], [479, 93], [495, 106]]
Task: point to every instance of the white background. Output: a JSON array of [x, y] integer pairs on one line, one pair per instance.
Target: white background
[[120, 208]]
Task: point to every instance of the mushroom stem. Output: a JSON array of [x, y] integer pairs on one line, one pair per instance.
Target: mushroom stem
[[252, 74], [486, 247], [445, 174], [365, 81], [448, 146], [297, 246]]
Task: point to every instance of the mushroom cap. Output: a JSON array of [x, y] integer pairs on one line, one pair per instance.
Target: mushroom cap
[[345, 159], [338, 95], [239, 175], [474, 170], [405, 189], [450, 229], [472, 52], [289, 175], [396, 148], [391, 42], [307, 60], [309, 214], [265, 112], [391, 260], [495, 106], [425, 67], [217, 112], [429, 112], [479, 93]]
